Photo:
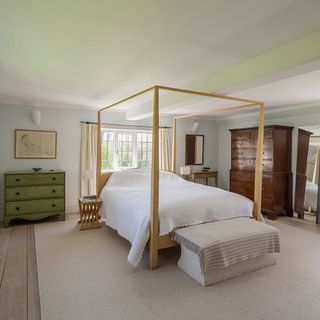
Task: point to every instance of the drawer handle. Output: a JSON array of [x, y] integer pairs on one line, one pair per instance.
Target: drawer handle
[[17, 208], [53, 191], [17, 180], [17, 193], [54, 178], [53, 205]]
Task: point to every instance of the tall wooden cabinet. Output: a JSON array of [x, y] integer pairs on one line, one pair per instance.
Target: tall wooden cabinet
[[277, 171]]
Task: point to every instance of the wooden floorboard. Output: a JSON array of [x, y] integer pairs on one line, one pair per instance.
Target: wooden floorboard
[[5, 235], [19, 290], [13, 291], [33, 285]]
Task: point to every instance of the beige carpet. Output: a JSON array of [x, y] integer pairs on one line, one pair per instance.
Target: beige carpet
[[85, 275]]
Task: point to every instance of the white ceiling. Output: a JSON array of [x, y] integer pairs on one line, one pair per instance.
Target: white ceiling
[[314, 129], [291, 91], [91, 53]]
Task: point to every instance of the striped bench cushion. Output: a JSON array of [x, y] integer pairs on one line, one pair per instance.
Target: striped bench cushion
[[223, 243]]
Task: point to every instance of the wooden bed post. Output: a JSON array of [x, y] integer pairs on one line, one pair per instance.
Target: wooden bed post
[[259, 168], [174, 145], [98, 172], [154, 201]]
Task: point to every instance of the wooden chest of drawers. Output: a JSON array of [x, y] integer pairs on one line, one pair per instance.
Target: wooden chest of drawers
[[32, 196], [277, 174]]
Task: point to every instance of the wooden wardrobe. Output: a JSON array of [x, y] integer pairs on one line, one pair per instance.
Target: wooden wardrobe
[[277, 171]]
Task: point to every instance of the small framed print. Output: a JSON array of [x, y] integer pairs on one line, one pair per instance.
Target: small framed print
[[35, 144]]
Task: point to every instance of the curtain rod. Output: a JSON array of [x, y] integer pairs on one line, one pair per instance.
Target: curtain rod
[[122, 125]]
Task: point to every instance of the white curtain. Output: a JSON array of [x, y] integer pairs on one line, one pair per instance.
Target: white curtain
[[88, 158], [164, 149]]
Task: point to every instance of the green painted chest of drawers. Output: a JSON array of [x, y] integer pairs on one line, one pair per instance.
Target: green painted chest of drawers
[[32, 196]]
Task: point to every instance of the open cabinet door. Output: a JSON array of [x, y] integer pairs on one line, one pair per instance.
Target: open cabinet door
[[301, 177]]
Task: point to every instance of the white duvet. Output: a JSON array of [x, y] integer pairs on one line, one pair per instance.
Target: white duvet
[[126, 206]]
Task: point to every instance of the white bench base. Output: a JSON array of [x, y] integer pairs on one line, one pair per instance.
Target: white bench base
[[189, 262]]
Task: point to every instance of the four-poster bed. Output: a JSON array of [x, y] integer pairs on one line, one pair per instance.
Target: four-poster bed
[[157, 242]]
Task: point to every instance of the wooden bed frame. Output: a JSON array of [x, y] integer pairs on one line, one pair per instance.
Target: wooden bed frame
[[157, 242]]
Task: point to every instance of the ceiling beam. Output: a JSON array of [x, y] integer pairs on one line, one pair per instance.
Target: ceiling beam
[[299, 56], [285, 57]]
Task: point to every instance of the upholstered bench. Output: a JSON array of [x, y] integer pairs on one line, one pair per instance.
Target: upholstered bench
[[216, 251]]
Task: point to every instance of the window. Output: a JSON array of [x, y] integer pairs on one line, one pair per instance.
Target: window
[[144, 149], [125, 149]]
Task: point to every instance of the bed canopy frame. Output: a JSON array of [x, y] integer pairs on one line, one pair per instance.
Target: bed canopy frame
[[157, 242]]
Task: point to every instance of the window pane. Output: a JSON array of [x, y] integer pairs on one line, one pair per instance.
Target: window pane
[[107, 150], [144, 148], [121, 149], [125, 150]]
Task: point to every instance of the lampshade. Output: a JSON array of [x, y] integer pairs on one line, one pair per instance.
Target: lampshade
[[184, 170]]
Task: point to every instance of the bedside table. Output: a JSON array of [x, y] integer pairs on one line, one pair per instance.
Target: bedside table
[[89, 213]]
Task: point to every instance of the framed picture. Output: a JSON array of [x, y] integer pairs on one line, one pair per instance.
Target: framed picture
[[35, 144]]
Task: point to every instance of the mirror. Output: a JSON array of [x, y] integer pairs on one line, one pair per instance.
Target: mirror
[[194, 149], [307, 194], [312, 186]]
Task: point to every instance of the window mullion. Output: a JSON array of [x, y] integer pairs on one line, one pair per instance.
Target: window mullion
[[115, 150], [134, 156]]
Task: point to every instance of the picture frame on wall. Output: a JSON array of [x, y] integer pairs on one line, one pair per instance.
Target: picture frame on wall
[[35, 144]]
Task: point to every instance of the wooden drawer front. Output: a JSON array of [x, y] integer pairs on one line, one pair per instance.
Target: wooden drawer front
[[267, 165], [268, 153], [242, 176], [241, 187], [267, 204], [34, 206], [250, 144], [248, 187], [267, 179], [267, 144], [250, 153], [249, 164], [240, 153], [267, 190], [34, 179], [30, 193], [243, 164], [247, 195], [243, 144], [267, 135], [249, 177], [242, 135]]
